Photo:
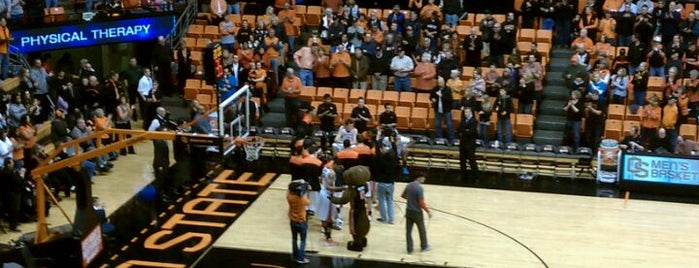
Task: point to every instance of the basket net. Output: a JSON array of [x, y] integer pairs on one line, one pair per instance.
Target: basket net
[[253, 145]]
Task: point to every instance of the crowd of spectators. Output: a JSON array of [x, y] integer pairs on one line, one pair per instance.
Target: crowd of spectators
[[618, 46]]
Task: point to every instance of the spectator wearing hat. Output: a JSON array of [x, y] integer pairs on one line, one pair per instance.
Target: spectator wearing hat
[[650, 119], [656, 58]]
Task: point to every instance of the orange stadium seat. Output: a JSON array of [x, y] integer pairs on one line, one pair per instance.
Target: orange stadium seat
[[499, 17], [322, 91], [251, 19], [407, 98], [196, 58], [58, 14], [339, 118], [613, 129], [211, 32], [468, 20], [236, 19], [418, 119], [372, 110], [357, 93], [191, 89], [402, 117], [463, 31], [423, 100], [456, 118], [689, 131], [524, 47], [195, 31], [313, 15], [374, 97], [347, 111], [308, 94], [616, 111], [467, 73], [340, 95], [300, 9], [189, 42], [524, 126], [391, 97], [544, 36], [655, 83], [526, 35], [633, 116], [202, 43], [205, 100]]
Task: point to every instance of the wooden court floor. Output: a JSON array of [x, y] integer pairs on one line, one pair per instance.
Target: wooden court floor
[[494, 228], [130, 174]]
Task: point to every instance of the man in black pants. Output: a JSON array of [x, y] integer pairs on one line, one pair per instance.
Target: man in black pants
[[327, 111], [414, 194], [11, 179], [467, 144]]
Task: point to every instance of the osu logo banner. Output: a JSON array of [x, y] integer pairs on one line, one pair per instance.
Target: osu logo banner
[[660, 169]]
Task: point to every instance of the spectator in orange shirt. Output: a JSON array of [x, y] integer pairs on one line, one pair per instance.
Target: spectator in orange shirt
[[5, 38], [280, 4], [291, 87], [297, 198], [275, 51], [340, 64], [322, 68], [583, 40], [650, 119], [426, 73]]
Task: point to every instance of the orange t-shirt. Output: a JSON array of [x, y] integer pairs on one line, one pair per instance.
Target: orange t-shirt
[[322, 68], [101, 124], [293, 83], [339, 64], [651, 116], [297, 207], [4, 40]]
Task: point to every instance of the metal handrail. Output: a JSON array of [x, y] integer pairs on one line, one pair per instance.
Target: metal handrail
[[18, 58], [187, 17]]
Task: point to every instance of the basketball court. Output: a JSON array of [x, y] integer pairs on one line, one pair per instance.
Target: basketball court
[[478, 228]]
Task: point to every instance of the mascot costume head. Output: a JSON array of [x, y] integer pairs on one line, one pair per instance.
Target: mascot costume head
[[356, 179]]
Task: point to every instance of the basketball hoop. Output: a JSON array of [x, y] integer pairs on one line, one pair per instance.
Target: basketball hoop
[[253, 145]]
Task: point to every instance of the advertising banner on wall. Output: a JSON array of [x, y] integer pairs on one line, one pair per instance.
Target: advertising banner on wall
[[92, 34], [661, 169]]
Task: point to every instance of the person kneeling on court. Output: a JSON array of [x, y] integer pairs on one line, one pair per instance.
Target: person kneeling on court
[[346, 132]]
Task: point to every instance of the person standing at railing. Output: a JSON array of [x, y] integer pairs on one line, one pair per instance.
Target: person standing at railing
[[16, 12], [5, 39]]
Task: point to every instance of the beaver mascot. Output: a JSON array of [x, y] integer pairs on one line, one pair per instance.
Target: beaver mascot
[[356, 178]]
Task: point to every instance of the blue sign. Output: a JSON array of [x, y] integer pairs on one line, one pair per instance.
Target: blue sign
[[92, 34], [660, 169]]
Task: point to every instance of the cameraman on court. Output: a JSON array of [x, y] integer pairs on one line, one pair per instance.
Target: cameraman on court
[[297, 197]]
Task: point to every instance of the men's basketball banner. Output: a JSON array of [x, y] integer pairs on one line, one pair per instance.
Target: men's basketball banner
[[665, 169]]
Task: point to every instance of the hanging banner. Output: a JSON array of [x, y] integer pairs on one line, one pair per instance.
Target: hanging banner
[[92, 34]]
